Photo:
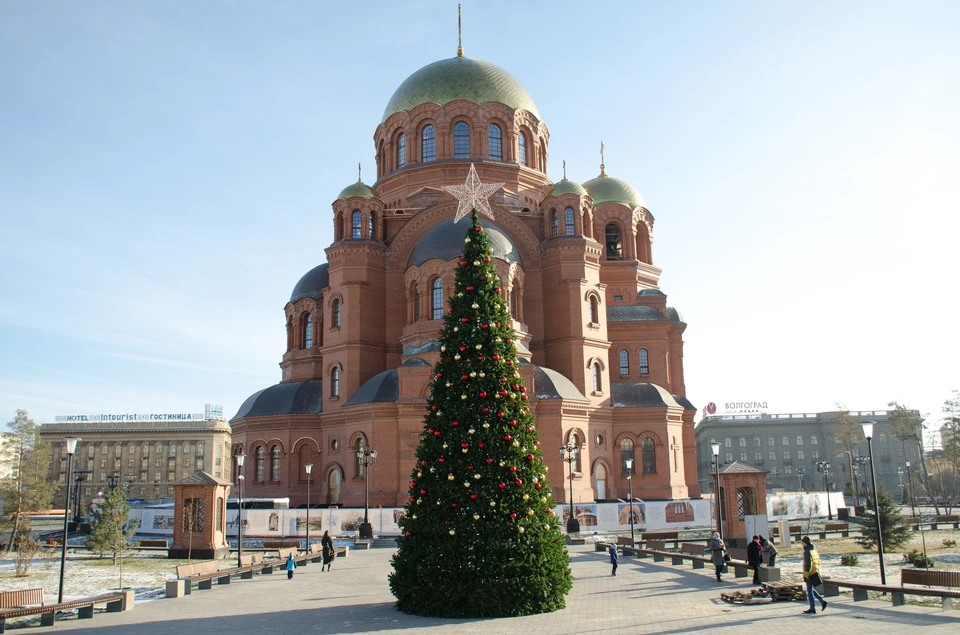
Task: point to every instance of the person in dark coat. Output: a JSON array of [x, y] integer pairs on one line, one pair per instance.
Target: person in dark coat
[[755, 558], [769, 550], [328, 553], [614, 558], [717, 549], [291, 566]]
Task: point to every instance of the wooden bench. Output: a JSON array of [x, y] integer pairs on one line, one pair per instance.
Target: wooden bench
[[660, 555], [949, 579], [946, 520], [280, 544], [203, 573], [693, 548], [152, 544], [361, 543], [116, 602], [831, 588], [842, 528], [20, 598], [793, 530], [665, 536]]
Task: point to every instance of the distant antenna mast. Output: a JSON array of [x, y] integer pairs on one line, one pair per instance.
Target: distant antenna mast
[[459, 31]]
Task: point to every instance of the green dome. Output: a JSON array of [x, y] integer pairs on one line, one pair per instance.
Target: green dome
[[606, 189], [358, 189], [567, 187], [460, 78]]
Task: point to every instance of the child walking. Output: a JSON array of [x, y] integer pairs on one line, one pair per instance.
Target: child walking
[[291, 566], [614, 558]]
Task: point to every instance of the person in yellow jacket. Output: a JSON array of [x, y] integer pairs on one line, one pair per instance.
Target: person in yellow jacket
[[811, 575]]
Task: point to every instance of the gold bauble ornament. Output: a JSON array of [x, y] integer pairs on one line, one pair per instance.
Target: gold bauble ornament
[[449, 477], [476, 516], [452, 532]]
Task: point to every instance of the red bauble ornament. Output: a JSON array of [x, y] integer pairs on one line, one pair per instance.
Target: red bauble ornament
[[463, 263], [518, 482], [525, 409], [484, 326], [497, 289], [455, 424], [509, 340], [473, 497], [469, 468], [486, 410], [464, 445], [486, 259], [480, 358], [450, 310], [529, 428], [463, 348], [433, 407], [437, 433], [464, 320], [412, 500], [523, 389], [500, 415], [516, 387], [453, 504], [489, 460], [513, 516], [509, 362], [507, 437], [503, 393], [483, 394], [481, 446], [469, 287], [513, 468], [413, 483], [464, 377], [513, 422], [439, 375], [479, 228], [529, 457], [442, 460], [423, 492], [537, 442], [496, 357], [424, 462], [409, 533], [523, 397], [501, 485], [537, 485]]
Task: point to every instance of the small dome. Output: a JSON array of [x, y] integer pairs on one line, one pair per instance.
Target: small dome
[[675, 315], [567, 187], [460, 78], [358, 189], [633, 314], [648, 292], [445, 241], [312, 284], [607, 189], [381, 388], [549, 384]]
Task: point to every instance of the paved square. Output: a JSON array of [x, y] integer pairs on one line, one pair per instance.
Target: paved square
[[645, 597]]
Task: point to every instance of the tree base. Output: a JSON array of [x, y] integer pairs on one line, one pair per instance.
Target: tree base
[[366, 530], [573, 526]]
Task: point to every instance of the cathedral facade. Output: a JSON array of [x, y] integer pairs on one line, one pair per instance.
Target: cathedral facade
[[601, 352]]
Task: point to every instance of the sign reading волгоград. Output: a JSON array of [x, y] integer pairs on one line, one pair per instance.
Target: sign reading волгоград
[[736, 408]]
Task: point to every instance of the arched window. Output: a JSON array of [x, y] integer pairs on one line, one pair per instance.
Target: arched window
[[727, 443], [308, 332], [260, 460], [614, 244], [514, 311], [649, 452], [624, 362], [522, 147], [574, 439], [554, 223], [594, 310], [416, 304], [305, 456], [756, 442], [335, 314], [275, 463], [799, 440], [333, 486], [813, 440], [461, 140], [356, 224], [428, 143], [568, 221], [339, 226], [743, 442], [372, 223], [436, 299], [401, 150], [883, 438], [335, 382], [597, 385], [644, 362], [626, 452], [495, 142]]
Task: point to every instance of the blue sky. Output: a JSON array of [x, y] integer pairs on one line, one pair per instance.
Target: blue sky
[[167, 169]]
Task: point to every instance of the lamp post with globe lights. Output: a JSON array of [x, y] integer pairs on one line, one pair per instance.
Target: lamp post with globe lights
[[309, 468], [240, 458], [71, 446], [366, 458], [715, 447], [824, 468], [868, 433], [629, 464], [568, 454]]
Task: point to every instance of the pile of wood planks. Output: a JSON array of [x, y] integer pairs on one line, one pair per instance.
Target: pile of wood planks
[[737, 597], [784, 591]]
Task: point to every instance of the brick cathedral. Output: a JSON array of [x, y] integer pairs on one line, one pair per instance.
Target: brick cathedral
[[601, 352]]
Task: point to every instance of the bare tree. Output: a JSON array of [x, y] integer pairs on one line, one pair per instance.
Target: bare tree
[[908, 429], [849, 434]]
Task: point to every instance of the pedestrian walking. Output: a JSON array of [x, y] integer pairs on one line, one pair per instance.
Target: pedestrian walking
[[328, 552], [291, 566], [614, 558], [755, 558], [811, 575], [769, 550], [718, 553]]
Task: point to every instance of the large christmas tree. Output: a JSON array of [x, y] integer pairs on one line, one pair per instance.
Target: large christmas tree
[[480, 538]]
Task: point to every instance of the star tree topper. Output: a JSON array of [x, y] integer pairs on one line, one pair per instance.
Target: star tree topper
[[472, 195]]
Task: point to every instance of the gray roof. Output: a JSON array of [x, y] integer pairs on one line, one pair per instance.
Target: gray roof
[[549, 384], [521, 348], [427, 347], [445, 242], [312, 283], [683, 401], [739, 467], [652, 292], [291, 398], [381, 388], [416, 361], [674, 315], [640, 395], [633, 314], [202, 478]]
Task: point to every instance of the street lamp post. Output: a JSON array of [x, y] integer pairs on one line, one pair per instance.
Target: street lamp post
[[716, 491], [824, 468], [309, 468], [629, 464], [79, 478], [900, 481], [113, 480], [868, 433], [71, 443], [568, 454], [366, 458], [240, 457], [913, 509]]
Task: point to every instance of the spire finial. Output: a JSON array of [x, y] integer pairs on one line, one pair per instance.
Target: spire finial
[[459, 31], [359, 173], [564, 169], [602, 166]]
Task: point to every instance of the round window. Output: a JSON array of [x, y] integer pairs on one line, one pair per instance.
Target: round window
[[599, 440], [335, 445]]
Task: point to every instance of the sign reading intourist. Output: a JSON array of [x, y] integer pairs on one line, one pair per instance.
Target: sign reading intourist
[[212, 412]]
